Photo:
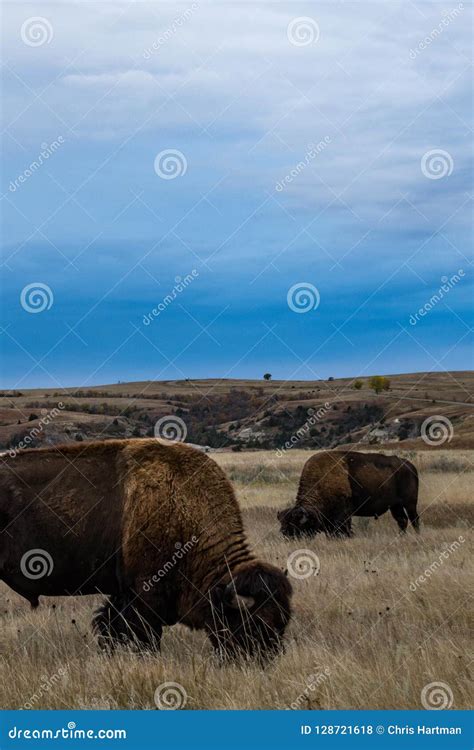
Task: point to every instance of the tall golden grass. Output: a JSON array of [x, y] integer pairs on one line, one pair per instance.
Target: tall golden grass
[[365, 633]]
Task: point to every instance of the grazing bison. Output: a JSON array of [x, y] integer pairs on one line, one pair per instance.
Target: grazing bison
[[154, 526], [335, 486]]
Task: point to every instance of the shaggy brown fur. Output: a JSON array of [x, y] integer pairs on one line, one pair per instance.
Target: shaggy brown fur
[[335, 486], [155, 526]]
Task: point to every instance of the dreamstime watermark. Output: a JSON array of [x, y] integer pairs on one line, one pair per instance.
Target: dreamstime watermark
[[303, 563], [436, 164], [171, 428], [170, 164], [170, 31], [312, 682], [181, 550], [47, 684], [437, 430], [180, 285], [424, 43], [36, 297], [170, 696], [436, 564], [303, 297], [303, 431], [447, 284], [437, 696], [36, 31], [27, 440], [47, 150], [302, 31], [312, 152], [36, 563], [71, 732]]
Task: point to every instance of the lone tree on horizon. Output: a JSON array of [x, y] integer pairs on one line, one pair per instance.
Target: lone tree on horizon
[[267, 376], [379, 383]]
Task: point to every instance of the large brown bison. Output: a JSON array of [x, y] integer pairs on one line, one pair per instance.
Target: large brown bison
[[156, 527], [335, 486]]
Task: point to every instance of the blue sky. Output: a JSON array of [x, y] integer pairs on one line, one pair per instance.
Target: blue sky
[[373, 218]]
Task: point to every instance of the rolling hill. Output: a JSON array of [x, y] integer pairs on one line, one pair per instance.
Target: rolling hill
[[421, 410]]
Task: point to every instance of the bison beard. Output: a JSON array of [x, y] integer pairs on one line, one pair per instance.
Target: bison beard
[[154, 526], [335, 486], [246, 616]]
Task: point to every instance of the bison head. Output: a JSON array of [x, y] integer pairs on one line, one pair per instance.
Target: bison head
[[250, 613], [298, 521]]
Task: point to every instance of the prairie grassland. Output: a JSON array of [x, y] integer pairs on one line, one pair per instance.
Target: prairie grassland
[[366, 631]]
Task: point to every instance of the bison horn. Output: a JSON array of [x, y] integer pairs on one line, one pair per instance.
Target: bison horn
[[242, 602], [303, 518], [237, 601]]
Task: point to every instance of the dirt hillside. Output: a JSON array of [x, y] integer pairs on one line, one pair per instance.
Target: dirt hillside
[[418, 410]]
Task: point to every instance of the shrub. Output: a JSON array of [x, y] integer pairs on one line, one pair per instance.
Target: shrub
[[379, 383]]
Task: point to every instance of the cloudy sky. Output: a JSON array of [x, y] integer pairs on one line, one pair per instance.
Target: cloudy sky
[[224, 189]]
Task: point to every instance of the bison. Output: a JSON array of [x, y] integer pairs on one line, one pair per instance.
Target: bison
[[335, 486], [155, 527]]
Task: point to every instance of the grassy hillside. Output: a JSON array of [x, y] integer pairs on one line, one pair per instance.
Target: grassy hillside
[[230, 414]]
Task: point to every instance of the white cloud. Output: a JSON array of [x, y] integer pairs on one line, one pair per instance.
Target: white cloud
[[230, 72]]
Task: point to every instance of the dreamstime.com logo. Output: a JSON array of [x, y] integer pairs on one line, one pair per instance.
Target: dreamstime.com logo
[[437, 164], [170, 696], [36, 297], [71, 732], [181, 550], [313, 681], [181, 283], [170, 164], [303, 431], [169, 32], [29, 439], [302, 31], [303, 563], [47, 150], [436, 564], [46, 686], [437, 430], [448, 18], [312, 152], [447, 283], [36, 563], [437, 696], [303, 297], [36, 31], [171, 428]]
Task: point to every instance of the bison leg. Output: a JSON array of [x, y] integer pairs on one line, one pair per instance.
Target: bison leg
[[400, 516], [348, 528], [145, 625], [33, 599], [109, 624], [344, 529], [413, 516], [125, 621]]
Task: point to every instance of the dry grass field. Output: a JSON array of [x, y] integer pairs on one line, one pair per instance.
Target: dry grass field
[[364, 633]]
